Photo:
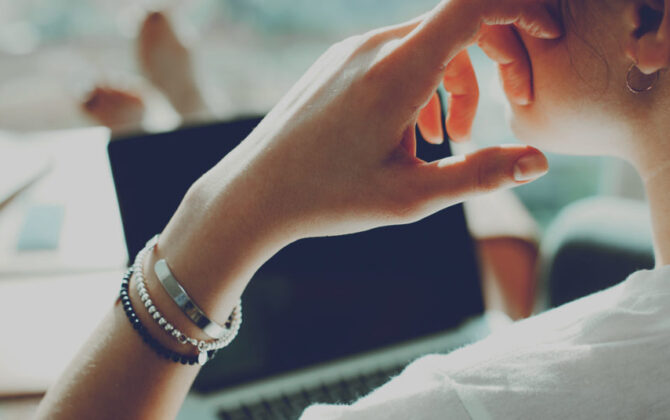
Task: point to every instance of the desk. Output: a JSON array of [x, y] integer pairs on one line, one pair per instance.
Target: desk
[[50, 300], [80, 181]]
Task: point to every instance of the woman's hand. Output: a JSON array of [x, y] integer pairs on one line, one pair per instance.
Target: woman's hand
[[502, 44], [337, 153]]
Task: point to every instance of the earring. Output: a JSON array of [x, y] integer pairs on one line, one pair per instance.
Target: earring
[[638, 82]]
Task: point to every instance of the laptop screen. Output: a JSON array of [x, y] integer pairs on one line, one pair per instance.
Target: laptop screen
[[318, 299]]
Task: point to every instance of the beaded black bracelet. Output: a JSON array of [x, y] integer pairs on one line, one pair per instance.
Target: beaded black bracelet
[[156, 346]]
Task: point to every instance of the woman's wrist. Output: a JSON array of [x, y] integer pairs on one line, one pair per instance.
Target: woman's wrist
[[216, 241]]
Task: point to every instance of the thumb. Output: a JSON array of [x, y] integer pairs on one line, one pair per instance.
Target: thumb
[[457, 178]]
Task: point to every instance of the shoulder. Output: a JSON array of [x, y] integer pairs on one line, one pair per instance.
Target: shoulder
[[589, 352], [576, 360]]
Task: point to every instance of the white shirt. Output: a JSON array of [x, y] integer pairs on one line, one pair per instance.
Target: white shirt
[[605, 356]]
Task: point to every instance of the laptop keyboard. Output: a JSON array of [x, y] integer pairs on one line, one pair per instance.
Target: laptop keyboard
[[291, 406]]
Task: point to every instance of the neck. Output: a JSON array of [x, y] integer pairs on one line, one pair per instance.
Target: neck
[[656, 176]]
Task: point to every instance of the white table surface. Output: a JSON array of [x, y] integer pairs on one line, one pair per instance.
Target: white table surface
[[51, 300]]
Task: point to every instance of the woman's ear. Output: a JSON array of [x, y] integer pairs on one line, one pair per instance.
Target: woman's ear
[[649, 37]]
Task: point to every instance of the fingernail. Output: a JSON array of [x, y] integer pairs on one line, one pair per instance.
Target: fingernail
[[523, 96], [460, 138], [556, 29], [522, 101], [155, 16], [530, 167], [437, 140]]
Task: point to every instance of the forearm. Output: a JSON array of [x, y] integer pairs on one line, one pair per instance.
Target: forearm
[[117, 375]]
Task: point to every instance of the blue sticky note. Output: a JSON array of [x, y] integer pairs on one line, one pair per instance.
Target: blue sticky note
[[41, 228]]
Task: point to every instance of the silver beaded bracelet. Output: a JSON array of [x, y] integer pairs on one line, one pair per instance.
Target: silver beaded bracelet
[[232, 325]]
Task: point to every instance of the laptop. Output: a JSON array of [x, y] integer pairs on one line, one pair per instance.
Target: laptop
[[326, 319]]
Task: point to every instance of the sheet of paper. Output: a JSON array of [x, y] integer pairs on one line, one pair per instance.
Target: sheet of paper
[[79, 183], [20, 165]]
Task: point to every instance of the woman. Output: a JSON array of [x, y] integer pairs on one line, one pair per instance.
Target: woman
[[336, 155]]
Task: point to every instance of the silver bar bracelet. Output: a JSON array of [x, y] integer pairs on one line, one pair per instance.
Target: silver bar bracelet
[[183, 300]]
